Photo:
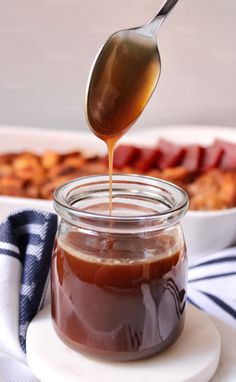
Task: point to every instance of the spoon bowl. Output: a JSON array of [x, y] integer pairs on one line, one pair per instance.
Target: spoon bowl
[[123, 77]]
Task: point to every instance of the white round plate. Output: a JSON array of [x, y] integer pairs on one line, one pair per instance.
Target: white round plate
[[193, 357]]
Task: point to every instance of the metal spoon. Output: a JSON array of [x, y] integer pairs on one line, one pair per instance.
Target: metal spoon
[[123, 77]]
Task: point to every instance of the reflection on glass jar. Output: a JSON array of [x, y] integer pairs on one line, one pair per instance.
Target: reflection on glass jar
[[119, 282]]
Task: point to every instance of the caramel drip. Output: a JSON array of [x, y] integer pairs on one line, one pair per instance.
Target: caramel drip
[[110, 147]]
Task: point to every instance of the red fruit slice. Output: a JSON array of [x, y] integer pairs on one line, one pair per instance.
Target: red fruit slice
[[125, 155], [171, 154], [211, 158], [147, 159], [228, 160], [192, 158]]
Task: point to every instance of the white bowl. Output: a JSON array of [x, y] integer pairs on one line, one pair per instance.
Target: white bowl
[[205, 232], [208, 232]]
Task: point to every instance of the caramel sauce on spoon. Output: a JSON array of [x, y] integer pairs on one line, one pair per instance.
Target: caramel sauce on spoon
[[121, 83], [122, 80]]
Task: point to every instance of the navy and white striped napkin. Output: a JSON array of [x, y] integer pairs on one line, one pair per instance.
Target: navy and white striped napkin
[[212, 285], [26, 240]]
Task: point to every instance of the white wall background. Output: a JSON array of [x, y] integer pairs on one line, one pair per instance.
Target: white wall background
[[47, 48]]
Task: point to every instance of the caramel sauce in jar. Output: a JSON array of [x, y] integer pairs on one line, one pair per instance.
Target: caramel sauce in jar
[[119, 282]]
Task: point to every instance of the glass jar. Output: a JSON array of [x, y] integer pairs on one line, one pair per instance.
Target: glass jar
[[119, 281]]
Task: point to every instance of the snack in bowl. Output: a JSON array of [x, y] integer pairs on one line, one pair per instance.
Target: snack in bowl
[[219, 224], [207, 174]]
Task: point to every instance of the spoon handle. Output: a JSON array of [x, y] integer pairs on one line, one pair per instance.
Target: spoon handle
[[166, 8], [152, 26]]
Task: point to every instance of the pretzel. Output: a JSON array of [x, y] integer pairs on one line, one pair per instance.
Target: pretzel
[[29, 175]]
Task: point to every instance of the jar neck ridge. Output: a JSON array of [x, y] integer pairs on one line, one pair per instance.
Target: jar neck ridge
[[140, 203]]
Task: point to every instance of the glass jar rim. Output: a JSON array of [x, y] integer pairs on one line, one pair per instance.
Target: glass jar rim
[[66, 195]]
